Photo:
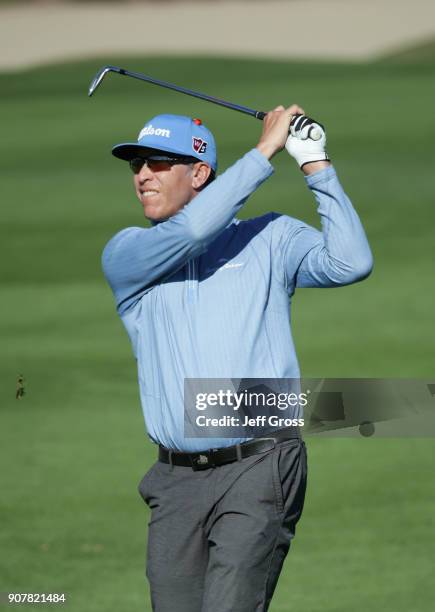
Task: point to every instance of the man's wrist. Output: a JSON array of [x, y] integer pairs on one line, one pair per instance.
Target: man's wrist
[[312, 167], [266, 149]]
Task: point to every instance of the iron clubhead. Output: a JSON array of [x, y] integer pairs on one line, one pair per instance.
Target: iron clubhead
[[100, 76]]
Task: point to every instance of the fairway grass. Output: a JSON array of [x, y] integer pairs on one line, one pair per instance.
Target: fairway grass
[[74, 448]]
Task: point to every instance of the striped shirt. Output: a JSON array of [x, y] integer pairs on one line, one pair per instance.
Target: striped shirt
[[205, 295]]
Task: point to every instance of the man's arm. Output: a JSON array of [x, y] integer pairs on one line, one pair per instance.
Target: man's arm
[[340, 254], [136, 258]]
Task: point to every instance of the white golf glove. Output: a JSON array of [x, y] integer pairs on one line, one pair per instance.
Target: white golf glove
[[307, 140]]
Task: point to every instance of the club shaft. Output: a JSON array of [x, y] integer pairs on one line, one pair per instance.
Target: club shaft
[[189, 92]]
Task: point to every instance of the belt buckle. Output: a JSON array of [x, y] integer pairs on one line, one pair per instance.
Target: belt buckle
[[202, 461]]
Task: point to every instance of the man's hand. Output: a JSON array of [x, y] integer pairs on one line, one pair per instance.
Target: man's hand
[[276, 126], [306, 144]]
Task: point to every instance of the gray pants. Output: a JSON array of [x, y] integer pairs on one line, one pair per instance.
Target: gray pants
[[218, 537]]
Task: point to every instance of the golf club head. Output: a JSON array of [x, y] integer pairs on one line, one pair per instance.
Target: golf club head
[[100, 76]]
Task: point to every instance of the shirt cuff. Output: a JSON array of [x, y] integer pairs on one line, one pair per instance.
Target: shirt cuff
[[322, 176]]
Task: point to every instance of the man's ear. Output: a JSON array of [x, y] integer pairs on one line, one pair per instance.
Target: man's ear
[[200, 174]]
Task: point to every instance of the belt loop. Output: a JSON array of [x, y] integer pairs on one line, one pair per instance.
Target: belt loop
[[170, 460], [239, 452]]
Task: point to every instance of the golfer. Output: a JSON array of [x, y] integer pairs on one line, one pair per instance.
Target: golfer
[[204, 295]]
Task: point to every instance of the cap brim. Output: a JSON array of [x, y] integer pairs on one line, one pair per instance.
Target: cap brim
[[130, 150]]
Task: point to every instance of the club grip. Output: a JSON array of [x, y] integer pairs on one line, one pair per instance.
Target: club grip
[[261, 115], [315, 133]]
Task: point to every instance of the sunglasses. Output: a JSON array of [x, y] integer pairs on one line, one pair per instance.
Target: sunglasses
[[158, 162]]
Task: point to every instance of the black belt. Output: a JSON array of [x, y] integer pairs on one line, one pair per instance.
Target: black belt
[[219, 456]]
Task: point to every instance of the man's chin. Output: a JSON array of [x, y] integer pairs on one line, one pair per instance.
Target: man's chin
[[153, 216]]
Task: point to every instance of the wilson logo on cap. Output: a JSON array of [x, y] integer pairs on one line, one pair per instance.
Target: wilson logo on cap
[[199, 145], [150, 131]]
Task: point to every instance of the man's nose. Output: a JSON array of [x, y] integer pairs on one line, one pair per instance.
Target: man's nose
[[144, 173]]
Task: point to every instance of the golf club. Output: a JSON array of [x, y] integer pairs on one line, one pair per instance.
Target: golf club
[[314, 134]]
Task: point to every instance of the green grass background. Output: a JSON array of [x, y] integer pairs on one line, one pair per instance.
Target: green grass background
[[74, 449]]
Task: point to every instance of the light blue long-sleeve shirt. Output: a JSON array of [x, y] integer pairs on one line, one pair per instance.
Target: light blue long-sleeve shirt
[[205, 295]]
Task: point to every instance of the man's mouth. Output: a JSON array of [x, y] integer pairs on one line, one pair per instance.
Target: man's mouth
[[148, 193]]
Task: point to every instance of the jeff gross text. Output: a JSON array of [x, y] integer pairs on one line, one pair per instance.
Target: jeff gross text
[[258, 421]]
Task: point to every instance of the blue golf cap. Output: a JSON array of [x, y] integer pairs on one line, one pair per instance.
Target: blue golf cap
[[173, 134]]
